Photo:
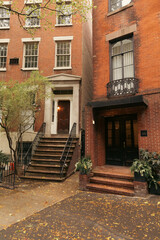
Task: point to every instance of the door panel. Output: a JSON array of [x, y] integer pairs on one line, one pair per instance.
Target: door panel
[[121, 140], [63, 117]]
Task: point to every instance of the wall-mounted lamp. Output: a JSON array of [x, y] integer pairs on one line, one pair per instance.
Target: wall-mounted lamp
[[93, 122]]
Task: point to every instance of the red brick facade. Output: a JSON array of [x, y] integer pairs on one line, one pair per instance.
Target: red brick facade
[[139, 19], [46, 55]]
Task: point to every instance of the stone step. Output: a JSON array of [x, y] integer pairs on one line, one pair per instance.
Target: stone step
[[112, 182], [50, 156], [42, 171], [52, 151], [109, 189], [56, 179], [44, 165], [52, 161], [112, 175]]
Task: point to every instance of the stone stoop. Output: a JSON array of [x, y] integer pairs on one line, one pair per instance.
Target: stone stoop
[[45, 162], [106, 181]]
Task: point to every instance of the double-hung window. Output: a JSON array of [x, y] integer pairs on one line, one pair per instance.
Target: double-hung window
[[3, 53], [122, 63], [4, 18], [63, 52], [64, 16], [33, 19], [30, 53], [116, 4]]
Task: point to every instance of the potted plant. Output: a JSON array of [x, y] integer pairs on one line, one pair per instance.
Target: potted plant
[[84, 166], [154, 183], [147, 168], [141, 167]]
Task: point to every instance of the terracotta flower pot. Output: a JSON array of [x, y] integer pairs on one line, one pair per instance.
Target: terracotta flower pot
[[83, 180]]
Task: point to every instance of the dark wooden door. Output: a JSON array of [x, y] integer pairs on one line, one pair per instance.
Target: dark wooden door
[[121, 140], [63, 117]]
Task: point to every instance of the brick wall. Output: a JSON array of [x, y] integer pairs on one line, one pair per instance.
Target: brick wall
[[146, 42]]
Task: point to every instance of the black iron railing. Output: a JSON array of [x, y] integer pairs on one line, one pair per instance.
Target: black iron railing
[[32, 148], [7, 174], [122, 87], [66, 151]]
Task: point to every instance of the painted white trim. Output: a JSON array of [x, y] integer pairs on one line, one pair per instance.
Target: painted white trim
[[4, 28], [64, 38], [63, 25], [7, 2], [29, 69], [62, 68], [3, 69], [7, 40], [32, 1], [38, 39]]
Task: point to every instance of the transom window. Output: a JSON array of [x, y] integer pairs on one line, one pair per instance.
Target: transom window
[[122, 59], [3, 55], [116, 4], [33, 20], [63, 54], [4, 18], [31, 55], [64, 16]]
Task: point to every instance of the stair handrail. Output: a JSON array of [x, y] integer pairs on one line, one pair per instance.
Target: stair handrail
[[40, 133], [68, 145]]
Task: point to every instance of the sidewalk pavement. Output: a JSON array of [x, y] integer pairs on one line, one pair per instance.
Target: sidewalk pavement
[[86, 215], [30, 197]]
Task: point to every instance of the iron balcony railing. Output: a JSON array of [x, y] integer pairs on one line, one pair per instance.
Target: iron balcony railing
[[122, 87]]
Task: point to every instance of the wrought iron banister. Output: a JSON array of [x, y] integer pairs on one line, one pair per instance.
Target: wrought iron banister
[[66, 150], [29, 153], [122, 87]]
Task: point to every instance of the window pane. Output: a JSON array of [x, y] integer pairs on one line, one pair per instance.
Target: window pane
[[117, 74], [3, 55], [109, 133], [31, 55], [128, 71], [117, 62], [63, 54], [125, 2], [117, 134], [135, 129], [64, 17], [127, 45], [128, 58], [116, 48], [115, 4], [128, 134]]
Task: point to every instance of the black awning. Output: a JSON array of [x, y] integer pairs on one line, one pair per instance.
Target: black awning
[[120, 102]]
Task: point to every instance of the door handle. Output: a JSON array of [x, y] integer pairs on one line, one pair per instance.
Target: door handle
[[124, 144]]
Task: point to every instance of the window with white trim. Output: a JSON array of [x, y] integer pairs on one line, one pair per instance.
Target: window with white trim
[[33, 20], [116, 4], [4, 18], [3, 55], [63, 15], [30, 55], [122, 62], [63, 54]]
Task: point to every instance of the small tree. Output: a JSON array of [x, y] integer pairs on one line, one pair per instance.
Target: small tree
[[19, 105]]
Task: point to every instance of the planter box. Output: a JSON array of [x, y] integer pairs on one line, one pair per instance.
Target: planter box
[[154, 190], [83, 180], [139, 178]]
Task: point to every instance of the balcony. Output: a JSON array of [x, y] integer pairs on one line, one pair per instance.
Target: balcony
[[122, 87]]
